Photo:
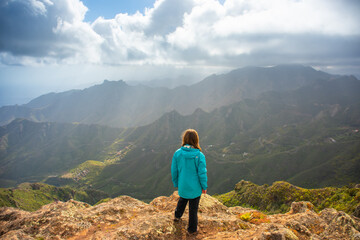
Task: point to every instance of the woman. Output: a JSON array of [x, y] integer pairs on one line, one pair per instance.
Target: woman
[[188, 171]]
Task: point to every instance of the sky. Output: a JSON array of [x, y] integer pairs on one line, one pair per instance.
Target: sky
[[110, 8], [56, 45]]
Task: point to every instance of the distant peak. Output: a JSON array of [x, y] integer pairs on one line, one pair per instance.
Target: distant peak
[[199, 111], [290, 65], [280, 67], [293, 66], [19, 120], [174, 112], [170, 115], [120, 82]]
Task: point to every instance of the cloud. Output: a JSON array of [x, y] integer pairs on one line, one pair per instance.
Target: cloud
[[244, 29], [287, 17], [170, 11], [183, 32], [45, 30], [141, 38]]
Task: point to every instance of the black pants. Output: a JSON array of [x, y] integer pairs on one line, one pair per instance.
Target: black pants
[[193, 210]]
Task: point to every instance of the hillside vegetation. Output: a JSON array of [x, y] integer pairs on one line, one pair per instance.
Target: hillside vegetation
[[32, 151], [31, 196], [311, 140], [308, 136], [279, 196], [275, 198]]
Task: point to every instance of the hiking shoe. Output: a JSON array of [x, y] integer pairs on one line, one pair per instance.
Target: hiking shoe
[[191, 233]]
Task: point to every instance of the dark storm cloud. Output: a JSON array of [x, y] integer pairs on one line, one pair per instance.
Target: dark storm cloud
[[25, 29], [42, 28]]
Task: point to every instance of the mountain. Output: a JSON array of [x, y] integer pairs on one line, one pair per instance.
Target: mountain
[[127, 218], [309, 137], [182, 80], [117, 104], [31, 151]]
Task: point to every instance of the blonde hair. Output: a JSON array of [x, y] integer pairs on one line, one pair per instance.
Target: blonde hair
[[191, 137]]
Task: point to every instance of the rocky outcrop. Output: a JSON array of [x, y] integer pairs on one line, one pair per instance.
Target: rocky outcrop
[[127, 218], [279, 196]]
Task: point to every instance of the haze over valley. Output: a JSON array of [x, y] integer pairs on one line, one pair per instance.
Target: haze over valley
[[287, 122]]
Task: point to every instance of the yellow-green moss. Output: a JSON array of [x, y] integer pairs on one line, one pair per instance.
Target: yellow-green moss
[[279, 196], [103, 201]]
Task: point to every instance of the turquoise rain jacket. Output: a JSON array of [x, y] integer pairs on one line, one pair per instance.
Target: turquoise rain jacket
[[188, 171]]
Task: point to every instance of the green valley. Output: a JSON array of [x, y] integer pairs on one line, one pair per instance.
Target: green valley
[[32, 151], [31, 196], [275, 137], [307, 136]]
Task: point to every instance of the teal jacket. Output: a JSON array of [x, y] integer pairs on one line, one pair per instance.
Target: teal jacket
[[188, 171]]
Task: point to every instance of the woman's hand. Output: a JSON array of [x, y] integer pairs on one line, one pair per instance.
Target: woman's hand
[[204, 191]]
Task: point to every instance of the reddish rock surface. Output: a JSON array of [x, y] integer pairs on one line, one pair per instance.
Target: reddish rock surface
[[128, 218]]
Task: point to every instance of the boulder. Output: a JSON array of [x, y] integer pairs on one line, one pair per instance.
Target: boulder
[[301, 207]]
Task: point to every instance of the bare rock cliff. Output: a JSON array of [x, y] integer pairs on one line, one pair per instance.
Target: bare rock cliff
[[128, 218]]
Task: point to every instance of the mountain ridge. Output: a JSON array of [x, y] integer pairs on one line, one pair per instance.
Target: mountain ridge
[[32, 151], [117, 104], [308, 136], [275, 137], [301, 136]]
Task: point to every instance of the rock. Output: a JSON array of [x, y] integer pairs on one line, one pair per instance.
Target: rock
[[281, 234], [301, 207], [240, 210], [356, 236], [166, 203], [356, 212], [272, 236], [339, 223], [274, 232], [210, 204], [128, 218], [16, 235], [11, 214], [298, 227], [288, 234]]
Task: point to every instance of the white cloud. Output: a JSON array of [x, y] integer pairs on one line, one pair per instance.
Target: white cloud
[[197, 29], [182, 32], [166, 16], [241, 27], [38, 7], [286, 17]]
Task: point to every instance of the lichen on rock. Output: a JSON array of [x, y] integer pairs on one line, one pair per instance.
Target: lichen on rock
[[128, 218]]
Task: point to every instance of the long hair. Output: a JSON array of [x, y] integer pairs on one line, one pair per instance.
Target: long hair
[[191, 137]]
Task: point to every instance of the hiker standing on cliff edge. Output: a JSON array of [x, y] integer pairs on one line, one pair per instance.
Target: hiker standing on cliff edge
[[188, 171]]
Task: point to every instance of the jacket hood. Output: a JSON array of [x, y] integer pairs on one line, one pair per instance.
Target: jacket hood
[[190, 152]]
